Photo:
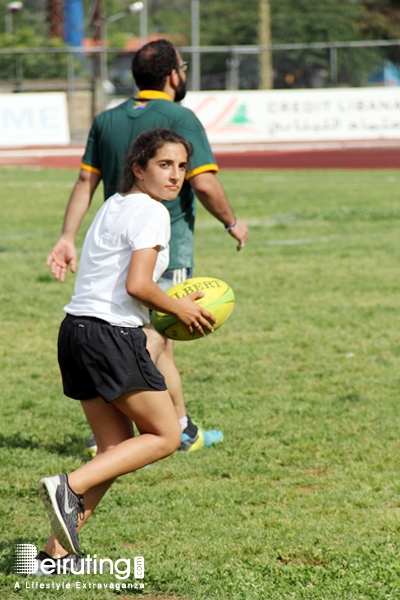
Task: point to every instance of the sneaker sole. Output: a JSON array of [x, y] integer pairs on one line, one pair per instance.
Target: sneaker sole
[[47, 492]]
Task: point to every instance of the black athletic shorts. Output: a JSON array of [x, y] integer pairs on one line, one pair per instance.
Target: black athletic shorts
[[99, 359]]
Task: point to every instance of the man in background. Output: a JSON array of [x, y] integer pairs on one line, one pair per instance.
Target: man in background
[[159, 73]]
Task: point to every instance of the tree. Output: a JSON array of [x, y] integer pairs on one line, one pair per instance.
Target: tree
[[235, 22], [310, 21], [228, 23], [40, 66], [380, 20]]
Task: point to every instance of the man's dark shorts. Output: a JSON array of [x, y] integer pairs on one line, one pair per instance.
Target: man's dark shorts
[[99, 359]]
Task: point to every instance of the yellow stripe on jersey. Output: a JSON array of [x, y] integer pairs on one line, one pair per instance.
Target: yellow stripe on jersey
[[91, 169], [203, 169]]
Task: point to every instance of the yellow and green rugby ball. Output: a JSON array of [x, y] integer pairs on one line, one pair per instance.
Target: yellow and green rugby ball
[[218, 299]]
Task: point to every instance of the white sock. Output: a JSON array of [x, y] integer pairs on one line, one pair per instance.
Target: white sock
[[183, 422]]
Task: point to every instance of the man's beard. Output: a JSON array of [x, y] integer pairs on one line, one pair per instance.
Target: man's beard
[[180, 91]]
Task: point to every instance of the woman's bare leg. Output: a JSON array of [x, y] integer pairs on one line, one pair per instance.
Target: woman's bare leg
[[119, 452], [155, 417], [112, 428]]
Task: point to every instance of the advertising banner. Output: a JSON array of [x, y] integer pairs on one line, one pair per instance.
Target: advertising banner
[[298, 115], [34, 119]]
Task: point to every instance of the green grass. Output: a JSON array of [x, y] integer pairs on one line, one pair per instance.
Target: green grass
[[301, 501]]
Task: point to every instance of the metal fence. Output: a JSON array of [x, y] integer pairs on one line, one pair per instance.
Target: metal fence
[[92, 77]]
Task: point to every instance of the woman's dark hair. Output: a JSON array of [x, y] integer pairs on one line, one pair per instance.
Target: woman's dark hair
[[152, 64], [145, 147]]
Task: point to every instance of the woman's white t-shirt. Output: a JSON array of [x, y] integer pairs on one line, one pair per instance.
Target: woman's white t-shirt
[[123, 225]]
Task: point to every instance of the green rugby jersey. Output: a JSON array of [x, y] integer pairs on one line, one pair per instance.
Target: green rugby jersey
[[111, 136]]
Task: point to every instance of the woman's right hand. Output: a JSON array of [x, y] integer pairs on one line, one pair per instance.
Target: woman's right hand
[[194, 316]]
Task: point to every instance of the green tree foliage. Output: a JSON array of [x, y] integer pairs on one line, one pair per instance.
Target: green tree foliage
[[310, 21], [172, 18], [37, 64], [32, 16], [380, 20], [230, 23], [32, 65], [234, 22]]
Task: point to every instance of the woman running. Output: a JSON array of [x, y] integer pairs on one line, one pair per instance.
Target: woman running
[[102, 348]]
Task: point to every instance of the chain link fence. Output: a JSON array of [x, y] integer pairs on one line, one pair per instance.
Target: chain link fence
[[81, 74]]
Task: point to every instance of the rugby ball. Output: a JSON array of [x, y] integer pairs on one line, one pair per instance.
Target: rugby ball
[[218, 299]]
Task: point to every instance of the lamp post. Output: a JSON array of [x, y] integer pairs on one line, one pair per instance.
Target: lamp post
[[10, 8], [132, 8], [143, 23], [195, 45]]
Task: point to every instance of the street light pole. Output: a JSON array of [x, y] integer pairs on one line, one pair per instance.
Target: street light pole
[[143, 24], [132, 8], [10, 8], [195, 45]]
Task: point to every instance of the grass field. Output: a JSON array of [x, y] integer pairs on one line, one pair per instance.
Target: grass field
[[302, 499]]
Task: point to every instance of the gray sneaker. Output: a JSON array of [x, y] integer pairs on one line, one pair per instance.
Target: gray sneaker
[[63, 507]]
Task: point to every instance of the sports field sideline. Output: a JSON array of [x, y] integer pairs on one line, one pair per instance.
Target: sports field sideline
[[380, 154]]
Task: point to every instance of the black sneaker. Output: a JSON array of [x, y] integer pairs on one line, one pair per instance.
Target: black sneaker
[[63, 506], [47, 565]]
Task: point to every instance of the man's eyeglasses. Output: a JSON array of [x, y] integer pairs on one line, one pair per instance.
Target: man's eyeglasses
[[184, 66]]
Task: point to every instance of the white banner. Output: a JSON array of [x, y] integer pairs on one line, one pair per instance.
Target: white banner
[[298, 115], [34, 119]]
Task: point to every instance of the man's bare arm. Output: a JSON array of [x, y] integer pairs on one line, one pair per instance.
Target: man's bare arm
[[211, 194], [64, 252]]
